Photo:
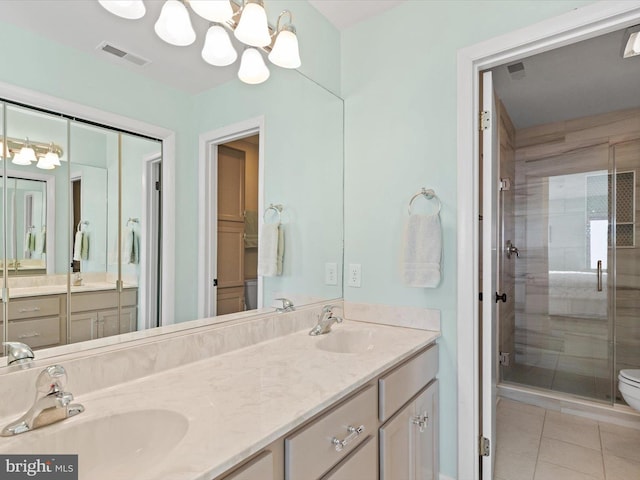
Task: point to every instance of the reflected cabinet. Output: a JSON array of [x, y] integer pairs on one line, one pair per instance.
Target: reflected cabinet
[[80, 229]]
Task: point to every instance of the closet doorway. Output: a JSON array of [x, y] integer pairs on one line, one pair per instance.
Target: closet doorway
[[237, 219]]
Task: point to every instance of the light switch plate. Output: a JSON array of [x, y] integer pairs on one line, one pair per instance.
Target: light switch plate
[[331, 273]]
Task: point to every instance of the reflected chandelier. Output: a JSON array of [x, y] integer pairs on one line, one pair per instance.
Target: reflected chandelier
[[45, 155], [247, 21]]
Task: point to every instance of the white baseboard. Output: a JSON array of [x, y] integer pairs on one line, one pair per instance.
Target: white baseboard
[[446, 477]]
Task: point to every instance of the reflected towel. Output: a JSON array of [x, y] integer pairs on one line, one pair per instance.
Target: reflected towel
[[84, 246], [29, 244], [250, 229], [271, 251], [42, 243], [130, 247], [422, 251], [77, 247]]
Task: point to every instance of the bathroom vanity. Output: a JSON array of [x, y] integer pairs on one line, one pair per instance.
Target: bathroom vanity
[[257, 399], [38, 315]]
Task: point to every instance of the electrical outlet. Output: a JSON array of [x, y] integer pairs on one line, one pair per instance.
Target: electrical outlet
[[331, 273], [354, 275]]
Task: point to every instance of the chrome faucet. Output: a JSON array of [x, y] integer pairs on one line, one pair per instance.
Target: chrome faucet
[[51, 405], [287, 305], [18, 353], [326, 319]]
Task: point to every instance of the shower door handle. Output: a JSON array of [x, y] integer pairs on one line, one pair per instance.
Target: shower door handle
[[599, 275]]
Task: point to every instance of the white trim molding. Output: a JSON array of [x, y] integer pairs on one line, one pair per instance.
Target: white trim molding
[[579, 24], [207, 199]]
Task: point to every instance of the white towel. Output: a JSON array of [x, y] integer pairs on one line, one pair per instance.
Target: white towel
[[271, 251], [130, 246], [77, 246], [422, 251]]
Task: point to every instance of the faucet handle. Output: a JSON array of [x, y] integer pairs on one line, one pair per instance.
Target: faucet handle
[[18, 352], [287, 305], [51, 380]]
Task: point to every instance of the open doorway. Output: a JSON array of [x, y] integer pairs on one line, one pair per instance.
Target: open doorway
[[241, 148], [237, 218], [477, 369]]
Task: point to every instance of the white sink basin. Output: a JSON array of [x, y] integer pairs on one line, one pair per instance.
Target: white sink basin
[[123, 445], [347, 341]]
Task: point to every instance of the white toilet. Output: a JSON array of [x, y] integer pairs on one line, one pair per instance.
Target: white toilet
[[629, 385]]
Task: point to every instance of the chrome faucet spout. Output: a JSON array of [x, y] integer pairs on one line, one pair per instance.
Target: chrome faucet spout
[[326, 320], [52, 403], [287, 305]]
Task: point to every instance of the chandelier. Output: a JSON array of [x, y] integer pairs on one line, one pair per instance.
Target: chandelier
[[247, 21]]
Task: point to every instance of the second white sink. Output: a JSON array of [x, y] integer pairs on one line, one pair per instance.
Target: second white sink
[[347, 341]]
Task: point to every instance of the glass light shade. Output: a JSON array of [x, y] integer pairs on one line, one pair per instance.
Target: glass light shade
[[18, 160], [213, 10], [218, 49], [52, 158], [27, 154], [636, 43], [2, 150], [252, 70], [285, 51], [130, 9], [174, 25], [253, 28], [45, 164]]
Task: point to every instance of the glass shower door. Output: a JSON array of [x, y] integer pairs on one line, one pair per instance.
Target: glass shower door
[[562, 333]]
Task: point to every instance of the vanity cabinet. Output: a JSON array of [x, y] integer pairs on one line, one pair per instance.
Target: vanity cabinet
[[387, 430], [317, 447], [408, 442], [408, 407], [35, 321], [95, 314]]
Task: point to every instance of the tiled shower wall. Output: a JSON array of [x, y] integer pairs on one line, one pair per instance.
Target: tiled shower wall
[[562, 334]]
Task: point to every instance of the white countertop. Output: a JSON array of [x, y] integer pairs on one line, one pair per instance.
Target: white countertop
[[235, 403], [20, 292]]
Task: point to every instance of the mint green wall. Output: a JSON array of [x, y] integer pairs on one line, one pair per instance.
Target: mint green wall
[[84, 79], [399, 86]]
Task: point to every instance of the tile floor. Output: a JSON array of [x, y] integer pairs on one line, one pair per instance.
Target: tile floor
[[538, 444]]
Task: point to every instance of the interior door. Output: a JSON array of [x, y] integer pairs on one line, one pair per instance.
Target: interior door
[[489, 272], [231, 212]]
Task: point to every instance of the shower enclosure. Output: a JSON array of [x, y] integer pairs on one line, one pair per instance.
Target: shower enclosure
[[569, 262]]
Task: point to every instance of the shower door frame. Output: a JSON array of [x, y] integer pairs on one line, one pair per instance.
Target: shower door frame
[[587, 22]]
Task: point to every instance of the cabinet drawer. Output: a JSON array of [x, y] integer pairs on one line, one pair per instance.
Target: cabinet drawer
[[311, 452], [129, 297], [361, 464], [260, 468], [397, 387], [82, 302], [34, 307], [36, 333]]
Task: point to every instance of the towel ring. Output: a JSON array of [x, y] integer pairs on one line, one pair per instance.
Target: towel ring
[[80, 224], [278, 210], [429, 195], [132, 220]]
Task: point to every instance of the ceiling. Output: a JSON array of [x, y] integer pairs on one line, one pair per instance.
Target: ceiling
[[345, 13], [585, 78], [84, 25]]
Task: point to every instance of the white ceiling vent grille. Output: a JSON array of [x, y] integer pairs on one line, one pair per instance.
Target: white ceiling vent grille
[[118, 52]]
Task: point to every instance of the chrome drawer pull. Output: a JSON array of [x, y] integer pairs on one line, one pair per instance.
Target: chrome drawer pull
[[353, 434], [28, 310], [28, 335], [422, 421]]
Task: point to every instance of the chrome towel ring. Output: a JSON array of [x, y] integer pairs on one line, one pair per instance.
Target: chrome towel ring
[[429, 195], [277, 208]]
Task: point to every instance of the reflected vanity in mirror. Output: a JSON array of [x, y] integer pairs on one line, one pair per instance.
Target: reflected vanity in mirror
[[108, 268]]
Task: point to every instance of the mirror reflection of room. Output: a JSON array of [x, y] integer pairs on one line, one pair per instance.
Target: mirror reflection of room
[[74, 231]]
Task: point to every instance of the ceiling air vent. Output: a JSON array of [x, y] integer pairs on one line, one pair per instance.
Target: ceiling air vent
[[516, 70], [118, 52]]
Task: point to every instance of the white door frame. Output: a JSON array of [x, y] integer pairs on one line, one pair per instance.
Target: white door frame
[[579, 24], [208, 201], [147, 286]]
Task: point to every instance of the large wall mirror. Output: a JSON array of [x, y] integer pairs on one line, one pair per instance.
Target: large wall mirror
[[83, 245]]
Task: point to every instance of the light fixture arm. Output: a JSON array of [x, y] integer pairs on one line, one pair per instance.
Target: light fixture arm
[[288, 24]]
